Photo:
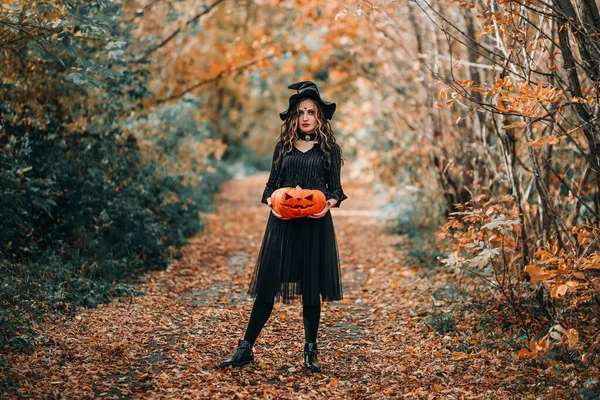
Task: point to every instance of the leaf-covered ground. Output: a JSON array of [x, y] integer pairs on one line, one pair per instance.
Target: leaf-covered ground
[[376, 343]]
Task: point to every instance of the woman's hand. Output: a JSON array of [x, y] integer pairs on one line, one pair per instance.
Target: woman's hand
[[330, 203], [277, 215], [274, 212]]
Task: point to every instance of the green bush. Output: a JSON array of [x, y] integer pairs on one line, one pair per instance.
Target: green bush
[[80, 213]]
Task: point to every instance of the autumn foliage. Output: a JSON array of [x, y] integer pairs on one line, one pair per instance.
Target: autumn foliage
[[512, 137], [90, 196], [479, 119]]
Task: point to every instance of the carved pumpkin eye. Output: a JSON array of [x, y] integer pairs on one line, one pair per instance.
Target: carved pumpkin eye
[[287, 196], [309, 197]]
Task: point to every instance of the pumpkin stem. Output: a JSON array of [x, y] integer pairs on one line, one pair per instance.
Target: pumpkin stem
[[298, 187]]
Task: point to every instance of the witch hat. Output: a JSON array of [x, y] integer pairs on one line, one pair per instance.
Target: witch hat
[[307, 89]]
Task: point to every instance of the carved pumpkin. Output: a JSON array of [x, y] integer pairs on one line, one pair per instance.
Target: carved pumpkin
[[296, 202]]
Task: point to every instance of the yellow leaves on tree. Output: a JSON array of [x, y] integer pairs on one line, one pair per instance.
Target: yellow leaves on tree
[[519, 97], [552, 139]]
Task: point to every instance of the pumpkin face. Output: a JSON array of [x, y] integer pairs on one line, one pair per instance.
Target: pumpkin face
[[297, 202]]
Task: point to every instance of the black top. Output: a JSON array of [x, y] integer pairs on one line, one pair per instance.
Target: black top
[[307, 170]]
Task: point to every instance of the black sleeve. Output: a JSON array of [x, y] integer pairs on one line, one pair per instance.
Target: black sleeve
[[273, 177], [334, 186]]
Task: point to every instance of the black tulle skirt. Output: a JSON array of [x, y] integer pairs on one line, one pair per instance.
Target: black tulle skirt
[[298, 259]]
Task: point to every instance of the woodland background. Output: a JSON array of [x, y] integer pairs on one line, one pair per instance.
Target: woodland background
[[121, 119]]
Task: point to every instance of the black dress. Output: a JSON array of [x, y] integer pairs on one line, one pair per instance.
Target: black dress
[[298, 258]]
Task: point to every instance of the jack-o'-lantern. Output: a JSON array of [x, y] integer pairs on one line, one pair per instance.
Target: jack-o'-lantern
[[296, 202]]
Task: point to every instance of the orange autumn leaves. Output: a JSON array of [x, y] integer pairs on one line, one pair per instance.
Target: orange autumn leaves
[[568, 278], [517, 98], [513, 97], [566, 272], [483, 241], [557, 337]]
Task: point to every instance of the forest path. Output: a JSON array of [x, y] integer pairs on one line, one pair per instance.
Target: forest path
[[373, 344]]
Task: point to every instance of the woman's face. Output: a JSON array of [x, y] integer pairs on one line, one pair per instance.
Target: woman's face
[[307, 116]]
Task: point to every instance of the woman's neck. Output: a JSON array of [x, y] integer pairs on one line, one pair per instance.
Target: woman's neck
[[306, 136]]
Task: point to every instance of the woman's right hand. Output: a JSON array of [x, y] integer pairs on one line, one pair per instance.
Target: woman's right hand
[[278, 216], [274, 212]]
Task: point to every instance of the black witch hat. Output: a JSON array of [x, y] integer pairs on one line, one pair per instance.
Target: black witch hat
[[307, 89]]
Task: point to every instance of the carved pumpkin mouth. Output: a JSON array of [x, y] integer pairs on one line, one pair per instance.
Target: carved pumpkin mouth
[[298, 206]]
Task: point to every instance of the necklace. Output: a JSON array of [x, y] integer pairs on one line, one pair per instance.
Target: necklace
[[307, 136]]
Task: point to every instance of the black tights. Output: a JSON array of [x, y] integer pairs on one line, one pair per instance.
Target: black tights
[[261, 311]]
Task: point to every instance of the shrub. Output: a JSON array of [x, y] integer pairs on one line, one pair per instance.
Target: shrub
[[80, 213]]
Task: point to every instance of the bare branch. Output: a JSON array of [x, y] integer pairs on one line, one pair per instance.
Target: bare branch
[[215, 78], [151, 50]]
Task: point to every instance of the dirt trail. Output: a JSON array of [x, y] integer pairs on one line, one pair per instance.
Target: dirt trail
[[167, 343]]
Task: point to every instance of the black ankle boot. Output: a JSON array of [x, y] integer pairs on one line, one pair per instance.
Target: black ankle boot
[[242, 356], [310, 357]]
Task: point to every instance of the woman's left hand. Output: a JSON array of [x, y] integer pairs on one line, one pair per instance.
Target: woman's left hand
[[322, 213]]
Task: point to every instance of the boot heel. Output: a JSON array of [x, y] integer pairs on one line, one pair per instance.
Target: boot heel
[[310, 357], [243, 356]]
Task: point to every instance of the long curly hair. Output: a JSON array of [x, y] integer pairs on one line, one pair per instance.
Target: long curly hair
[[290, 128]]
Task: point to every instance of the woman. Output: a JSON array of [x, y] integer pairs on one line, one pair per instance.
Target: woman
[[298, 257]]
